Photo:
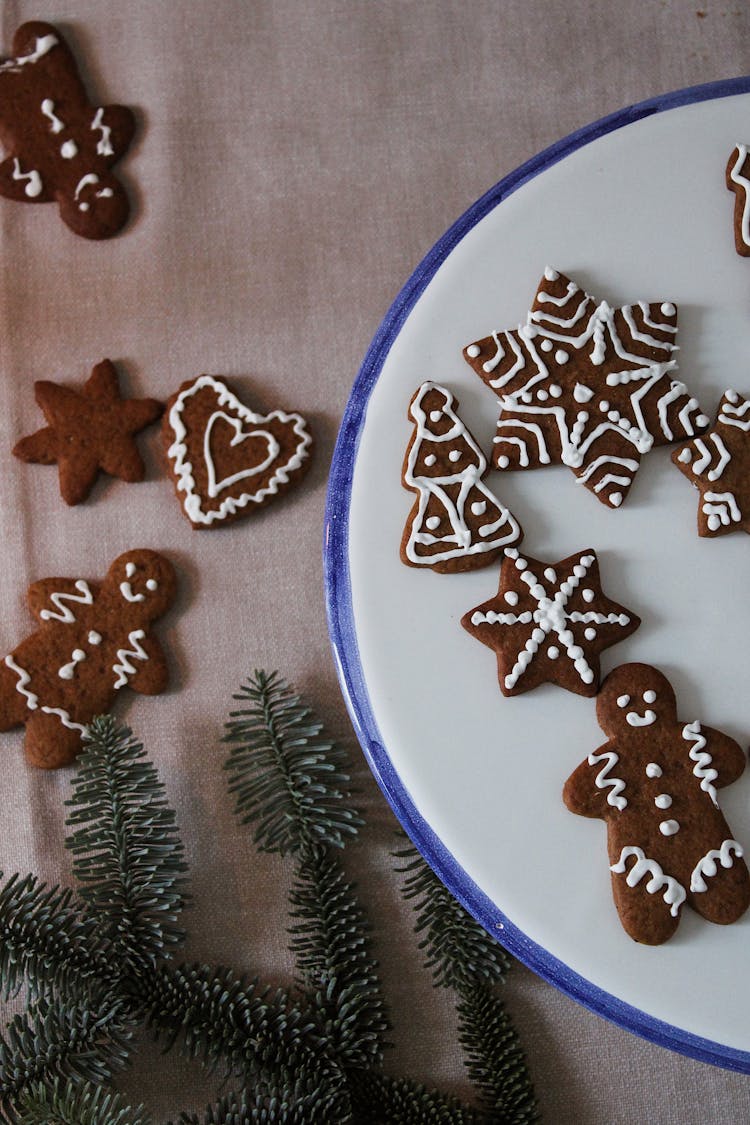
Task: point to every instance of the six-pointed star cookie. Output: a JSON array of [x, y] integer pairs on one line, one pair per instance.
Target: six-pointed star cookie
[[89, 430], [586, 385], [549, 623], [718, 464]]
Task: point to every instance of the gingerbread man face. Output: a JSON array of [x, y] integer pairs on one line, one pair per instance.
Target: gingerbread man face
[[635, 696], [142, 584], [58, 145]]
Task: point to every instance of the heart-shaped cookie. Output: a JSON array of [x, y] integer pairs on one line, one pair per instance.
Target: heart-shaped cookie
[[226, 460]]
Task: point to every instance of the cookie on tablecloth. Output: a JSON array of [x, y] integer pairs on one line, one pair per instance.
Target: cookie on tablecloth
[[549, 622], [93, 639], [57, 144], [586, 385], [226, 461], [456, 523], [738, 182], [718, 465], [654, 782]]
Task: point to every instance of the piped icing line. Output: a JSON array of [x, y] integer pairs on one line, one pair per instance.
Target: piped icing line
[[706, 867], [743, 185], [183, 469], [104, 144], [214, 486], [22, 686], [67, 671], [42, 46], [703, 768], [34, 186], [48, 109], [64, 718], [673, 892], [604, 780], [123, 668], [721, 509], [63, 612]]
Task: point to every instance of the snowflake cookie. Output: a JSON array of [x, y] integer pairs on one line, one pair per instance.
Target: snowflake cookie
[[654, 782], [57, 145], [738, 182], [456, 523], [718, 465], [586, 385], [548, 623], [93, 639]]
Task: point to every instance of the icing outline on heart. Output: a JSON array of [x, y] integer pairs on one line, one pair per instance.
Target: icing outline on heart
[[214, 486]]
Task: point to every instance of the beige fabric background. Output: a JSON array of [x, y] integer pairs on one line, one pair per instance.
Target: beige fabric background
[[294, 162]]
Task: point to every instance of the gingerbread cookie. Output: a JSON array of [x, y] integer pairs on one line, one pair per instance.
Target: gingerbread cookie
[[718, 465], [89, 431], [548, 623], [225, 460], [654, 782], [456, 523], [738, 182], [93, 639], [586, 385], [58, 145]]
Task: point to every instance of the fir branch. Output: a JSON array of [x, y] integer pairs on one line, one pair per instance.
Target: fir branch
[[332, 948], [129, 854], [84, 1038], [252, 1107], [72, 1104], [44, 943], [288, 783], [378, 1098], [460, 952], [494, 1057]]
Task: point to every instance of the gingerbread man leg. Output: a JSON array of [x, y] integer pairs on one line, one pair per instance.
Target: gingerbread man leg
[[720, 885], [647, 900], [48, 743]]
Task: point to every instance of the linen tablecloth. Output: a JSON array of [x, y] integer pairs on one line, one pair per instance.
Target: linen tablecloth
[[293, 163]]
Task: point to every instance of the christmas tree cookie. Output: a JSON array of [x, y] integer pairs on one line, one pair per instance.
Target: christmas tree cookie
[[718, 465]]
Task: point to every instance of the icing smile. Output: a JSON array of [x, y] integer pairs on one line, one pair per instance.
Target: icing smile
[[644, 720]]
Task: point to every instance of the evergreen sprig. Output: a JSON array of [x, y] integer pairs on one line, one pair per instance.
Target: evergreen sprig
[[66, 1103]]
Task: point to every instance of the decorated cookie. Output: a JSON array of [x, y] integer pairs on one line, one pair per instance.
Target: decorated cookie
[[456, 523], [227, 461], [738, 181], [88, 431], [586, 385], [93, 639], [654, 782], [548, 623], [718, 464], [57, 144]]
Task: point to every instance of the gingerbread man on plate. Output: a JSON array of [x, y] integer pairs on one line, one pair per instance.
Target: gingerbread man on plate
[[94, 638], [654, 783]]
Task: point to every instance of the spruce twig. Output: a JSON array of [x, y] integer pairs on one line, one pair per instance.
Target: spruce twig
[[71, 1104]]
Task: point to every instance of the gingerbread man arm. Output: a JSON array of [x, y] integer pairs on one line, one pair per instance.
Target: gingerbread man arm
[[60, 599], [592, 789], [141, 664], [727, 757], [114, 127]]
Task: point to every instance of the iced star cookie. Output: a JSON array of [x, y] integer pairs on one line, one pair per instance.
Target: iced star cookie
[[92, 640], [738, 182], [89, 431], [548, 623], [654, 783], [718, 465], [226, 461], [456, 523], [58, 146], [586, 385]]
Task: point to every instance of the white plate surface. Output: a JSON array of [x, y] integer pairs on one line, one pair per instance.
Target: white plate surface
[[639, 213]]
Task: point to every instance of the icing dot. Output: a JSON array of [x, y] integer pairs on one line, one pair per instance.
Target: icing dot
[[511, 597], [78, 654], [652, 770], [604, 406], [95, 638], [668, 309], [547, 345], [436, 415], [649, 697], [432, 522], [454, 455], [537, 591], [614, 415], [622, 701], [503, 462], [615, 499], [575, 652], [473, 351], [521, 564], [588, 595], [550, 274], [69, 150], [430, 460], [669, 827], [624, 424], [714, 522], [526, 397], [550, 575], [586, 674], [731, 396], [478, 508], [589, 634], [561, 356], [129, 570], [623, 619], [553, 652], [555, 390], [83, 206], [541, 395], [702, 420], [684, 456], [663, 801]]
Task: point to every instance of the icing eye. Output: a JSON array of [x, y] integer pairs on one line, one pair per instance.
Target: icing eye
[[623, 701], [435, 415], [152, 584], [649, 697]]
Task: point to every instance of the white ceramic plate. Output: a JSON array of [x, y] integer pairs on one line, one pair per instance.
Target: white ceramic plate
[[633, 208]]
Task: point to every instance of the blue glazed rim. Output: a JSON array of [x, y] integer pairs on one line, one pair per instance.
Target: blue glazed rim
[[341, 622]]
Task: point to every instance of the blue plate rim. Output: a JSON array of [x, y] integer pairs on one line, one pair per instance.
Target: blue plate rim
[[340, 615]]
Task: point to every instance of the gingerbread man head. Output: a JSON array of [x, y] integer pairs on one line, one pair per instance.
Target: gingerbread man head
[[632, 697], [141, 583]]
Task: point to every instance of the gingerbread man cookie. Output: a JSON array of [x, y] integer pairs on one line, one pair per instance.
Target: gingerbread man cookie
[[58, 146], [654, 782], [718, 465], [586, 385], [456, 523], [738, 182], [93, 639]]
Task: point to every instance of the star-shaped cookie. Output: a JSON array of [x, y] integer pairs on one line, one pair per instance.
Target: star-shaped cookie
[[586, 385], [718, 465], [88, 431], [548, 623]]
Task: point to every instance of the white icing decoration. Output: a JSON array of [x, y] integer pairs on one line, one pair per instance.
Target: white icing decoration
[[703, 768], [32, 700], [68, 670], [64, 718], [582, 394], [152, 584], [669, 827], [127, 592], [63, 612], [674, 893], [652, 770], [706, 866], [34, 186], [216, 486], [432, 522], [649, 697], [183, 469], [604, 780], [623, 700], [473, 351], [95, 638], [130, 569], [68, 150], [634, 719], [42, 46], [123, 668], [663, 801], [743, 184], [90, 178], [48, 109], [104, 144]]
